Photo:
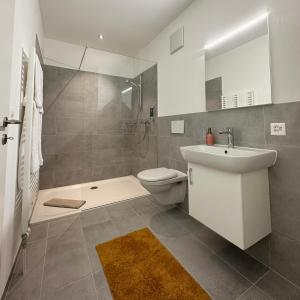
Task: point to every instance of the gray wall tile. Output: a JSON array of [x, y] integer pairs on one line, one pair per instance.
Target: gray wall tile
[[85, 134]]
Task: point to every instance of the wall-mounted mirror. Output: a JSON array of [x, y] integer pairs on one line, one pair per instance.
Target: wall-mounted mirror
[[237, 68]]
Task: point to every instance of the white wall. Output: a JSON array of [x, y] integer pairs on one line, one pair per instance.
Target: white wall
[[244, 68], [61, 54], [180, 76], [26, 24]]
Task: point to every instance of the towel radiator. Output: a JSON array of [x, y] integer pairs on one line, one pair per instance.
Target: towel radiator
[[29, 181]]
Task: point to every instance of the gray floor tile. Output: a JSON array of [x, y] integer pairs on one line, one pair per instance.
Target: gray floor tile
[[94, 216], [99, 233], [29, 259], [29, 287], [242, 262], [122, 210], [102, 287], [79, 290], [60, 226], [188, 250], [94, 258], [183, 219], [278, 288], [66, 259], [141, 205], [34, 255], [220, 280], [285, 256], [261, 251], [211, 239], [38, 232], [132, 224], [164, 225], [148, 213], [18, 271], [254, 293]]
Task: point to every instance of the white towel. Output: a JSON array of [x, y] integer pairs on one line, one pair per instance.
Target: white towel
[[38, 99], [23, 138], [22, 150], [33, 107], [38, 84], [35, 142]]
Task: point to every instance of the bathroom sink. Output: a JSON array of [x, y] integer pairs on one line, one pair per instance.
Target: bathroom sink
[[234, 160]]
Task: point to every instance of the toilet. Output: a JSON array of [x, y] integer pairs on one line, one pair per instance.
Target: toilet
[[167, 186]]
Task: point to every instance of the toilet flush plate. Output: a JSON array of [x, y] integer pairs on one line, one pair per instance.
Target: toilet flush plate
[[177, 127]]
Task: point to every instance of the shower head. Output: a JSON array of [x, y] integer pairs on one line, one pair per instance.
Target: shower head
[[132, 83], [138, 87]]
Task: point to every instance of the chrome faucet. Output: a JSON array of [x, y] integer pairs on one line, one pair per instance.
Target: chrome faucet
[[230, 139]]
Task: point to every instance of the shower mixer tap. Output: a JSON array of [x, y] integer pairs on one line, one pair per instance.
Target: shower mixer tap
[[152, 113]]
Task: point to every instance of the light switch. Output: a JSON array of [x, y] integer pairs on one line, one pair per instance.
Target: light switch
[[278, 129]]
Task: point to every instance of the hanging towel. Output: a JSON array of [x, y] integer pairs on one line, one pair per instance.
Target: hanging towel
[[38, 99], [24, 130], [35, 142], [22, 150], [38, 84], [33, 103]]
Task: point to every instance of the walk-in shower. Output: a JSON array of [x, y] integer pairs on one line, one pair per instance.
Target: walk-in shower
[[97, 126]]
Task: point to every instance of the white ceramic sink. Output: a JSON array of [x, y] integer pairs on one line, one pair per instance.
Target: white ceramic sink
[[234, 160]]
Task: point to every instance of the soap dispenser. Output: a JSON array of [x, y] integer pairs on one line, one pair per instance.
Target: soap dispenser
[[210, 140]]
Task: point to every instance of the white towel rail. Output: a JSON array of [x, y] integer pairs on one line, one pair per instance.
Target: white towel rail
[[29, 181]]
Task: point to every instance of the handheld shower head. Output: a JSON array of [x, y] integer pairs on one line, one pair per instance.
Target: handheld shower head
[[138, 86]]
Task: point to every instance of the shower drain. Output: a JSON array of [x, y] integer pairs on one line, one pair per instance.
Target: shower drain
[[93, 188]]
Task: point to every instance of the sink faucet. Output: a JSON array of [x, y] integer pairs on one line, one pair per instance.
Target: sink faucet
[[229, 133]]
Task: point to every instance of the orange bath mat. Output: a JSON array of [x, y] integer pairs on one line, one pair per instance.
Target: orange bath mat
[[138, 267]]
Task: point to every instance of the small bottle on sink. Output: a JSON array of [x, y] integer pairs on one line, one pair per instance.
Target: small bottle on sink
[[210, 140]]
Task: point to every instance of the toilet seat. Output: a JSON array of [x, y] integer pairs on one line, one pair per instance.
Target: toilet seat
[[157, 174]]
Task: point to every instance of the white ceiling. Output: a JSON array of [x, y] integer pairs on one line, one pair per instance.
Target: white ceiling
[[128, 25]]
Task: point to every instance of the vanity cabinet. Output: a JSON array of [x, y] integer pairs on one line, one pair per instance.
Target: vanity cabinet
[[234, 205]]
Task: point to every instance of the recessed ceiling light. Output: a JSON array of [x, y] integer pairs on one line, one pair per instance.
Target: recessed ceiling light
[[101, 36]]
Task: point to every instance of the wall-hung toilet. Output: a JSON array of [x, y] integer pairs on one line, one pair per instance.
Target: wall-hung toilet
[[167, 186]]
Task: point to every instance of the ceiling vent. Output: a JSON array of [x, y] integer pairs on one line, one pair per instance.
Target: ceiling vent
[[177, 40]]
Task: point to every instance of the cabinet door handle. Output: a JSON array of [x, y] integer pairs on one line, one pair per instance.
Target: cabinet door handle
[[190, 175]]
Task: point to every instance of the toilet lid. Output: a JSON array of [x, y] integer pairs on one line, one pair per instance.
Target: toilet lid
[[157, 174]]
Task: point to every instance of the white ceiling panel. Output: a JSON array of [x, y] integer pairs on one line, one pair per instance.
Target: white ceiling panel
[[127, 25]]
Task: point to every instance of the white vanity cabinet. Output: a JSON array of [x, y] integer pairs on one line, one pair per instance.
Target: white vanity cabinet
[[236, 206], [229, 190]]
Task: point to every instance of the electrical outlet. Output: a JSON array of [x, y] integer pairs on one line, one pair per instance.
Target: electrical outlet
[[278, 129]]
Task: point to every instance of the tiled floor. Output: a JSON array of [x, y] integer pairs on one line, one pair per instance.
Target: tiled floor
[[60, 261]]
